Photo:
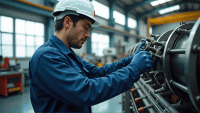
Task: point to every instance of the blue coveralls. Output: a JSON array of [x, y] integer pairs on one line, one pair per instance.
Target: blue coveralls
[[60, 81]]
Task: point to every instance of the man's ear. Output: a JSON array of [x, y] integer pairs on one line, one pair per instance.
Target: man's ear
[[67, 22]]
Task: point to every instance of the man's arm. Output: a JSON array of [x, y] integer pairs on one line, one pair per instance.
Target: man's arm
[[95, 71], [55, 76], [103, 71]]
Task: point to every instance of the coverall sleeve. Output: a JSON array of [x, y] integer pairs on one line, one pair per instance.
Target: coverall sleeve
[[95, 71], [56, 77]]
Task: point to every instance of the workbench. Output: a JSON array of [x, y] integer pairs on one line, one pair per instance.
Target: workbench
[[14, 77]]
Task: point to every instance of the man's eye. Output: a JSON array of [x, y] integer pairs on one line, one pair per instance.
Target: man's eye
[[86, 28]]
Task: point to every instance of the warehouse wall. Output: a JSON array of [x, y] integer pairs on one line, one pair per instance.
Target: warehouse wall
[[160, 29], [37, 1], [102, 21], [143, 29], [22, 14]]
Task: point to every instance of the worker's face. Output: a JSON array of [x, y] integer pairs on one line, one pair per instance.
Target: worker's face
[[78, 35]]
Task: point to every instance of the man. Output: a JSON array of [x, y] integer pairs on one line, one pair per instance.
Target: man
[[60, 81]]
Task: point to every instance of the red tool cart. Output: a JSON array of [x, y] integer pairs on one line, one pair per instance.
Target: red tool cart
[[14, 77]]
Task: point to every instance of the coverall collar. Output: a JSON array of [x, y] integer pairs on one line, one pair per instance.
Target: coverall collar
[[60, 45]]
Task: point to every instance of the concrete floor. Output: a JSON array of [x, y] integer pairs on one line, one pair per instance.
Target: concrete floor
[[20, 103]]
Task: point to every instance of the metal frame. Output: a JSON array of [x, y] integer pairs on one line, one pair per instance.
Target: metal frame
[[190, 71], [167, 64]]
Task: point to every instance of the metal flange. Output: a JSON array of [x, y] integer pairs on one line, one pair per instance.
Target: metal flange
[[192, 66], [167, 60]]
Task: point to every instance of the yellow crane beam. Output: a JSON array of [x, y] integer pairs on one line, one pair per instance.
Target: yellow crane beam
[[185, 16], [180, 17]]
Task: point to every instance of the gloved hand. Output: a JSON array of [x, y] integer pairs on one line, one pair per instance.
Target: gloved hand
[[139, 47], [143, 61]]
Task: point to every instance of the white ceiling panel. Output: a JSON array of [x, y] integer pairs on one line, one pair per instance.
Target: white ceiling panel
[[138, 0], [148, 7], [196, 6], [189, 5], [182, 6], [140, 9]]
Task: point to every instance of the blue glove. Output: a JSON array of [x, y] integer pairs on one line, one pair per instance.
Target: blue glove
[[139, 47], [142, 61]]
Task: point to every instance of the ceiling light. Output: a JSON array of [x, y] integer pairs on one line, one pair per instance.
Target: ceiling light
[[170, 9], [154, 3], [161, 1], [177, 7], [157, 2]]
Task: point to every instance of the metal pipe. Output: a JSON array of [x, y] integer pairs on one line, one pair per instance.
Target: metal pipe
[[145, 101], [150, 98], [162, 89], [184, 31], [159, 43], [165, 93], [154, 85], [176, 51], [164, 103], [133, 101], [149, 81], [182, 87], [152, 49]]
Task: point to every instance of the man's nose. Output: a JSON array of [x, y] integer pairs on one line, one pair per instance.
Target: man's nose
[[87, 34]]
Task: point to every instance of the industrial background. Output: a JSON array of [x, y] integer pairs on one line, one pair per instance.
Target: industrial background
[[27, 24]]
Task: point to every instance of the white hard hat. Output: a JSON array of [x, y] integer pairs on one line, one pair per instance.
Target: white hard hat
[[75, 7]]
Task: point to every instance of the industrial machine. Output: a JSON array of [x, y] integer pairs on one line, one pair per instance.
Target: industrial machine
[[173, 83], [110, 53], [10, 77]]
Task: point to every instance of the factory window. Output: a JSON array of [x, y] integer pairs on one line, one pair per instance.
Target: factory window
[[99, 43], [150, 30], [29, 36], [6, 36], [101, 10], [132, 23], [119, 17]]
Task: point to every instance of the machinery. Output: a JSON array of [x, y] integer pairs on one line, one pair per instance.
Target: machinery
[[9, 65], [173, 83], [5, 65], [10, 77], [110, 53]]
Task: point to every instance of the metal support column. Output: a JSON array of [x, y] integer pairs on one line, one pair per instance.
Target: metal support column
[[111, 10], [112, 41], [49, 29], [126, 20], [138, 28], [89, 43], [111, 21], [126, 23]]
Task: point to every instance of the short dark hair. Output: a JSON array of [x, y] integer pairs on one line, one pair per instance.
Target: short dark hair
[[59, 23]]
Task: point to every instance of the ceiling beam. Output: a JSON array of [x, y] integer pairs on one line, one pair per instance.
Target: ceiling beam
[[28, 6], [139, 4], [141, 15], [122, 7]]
